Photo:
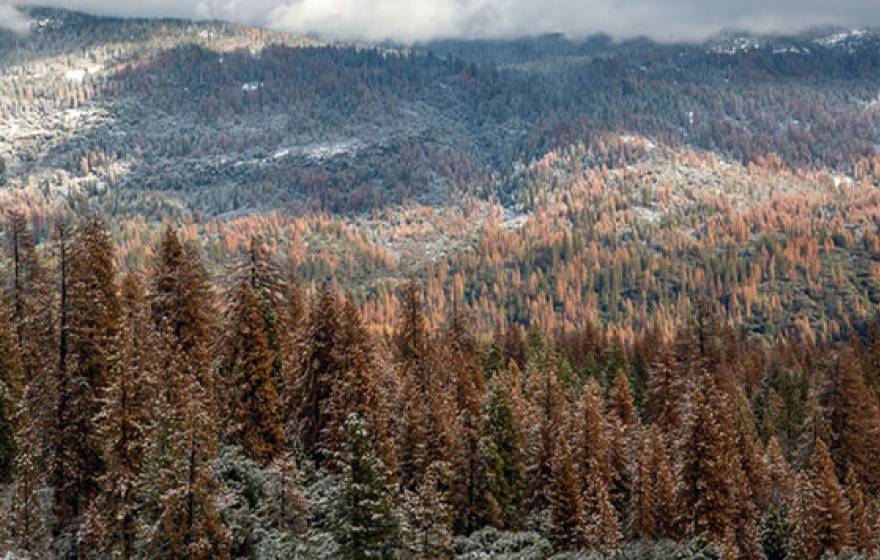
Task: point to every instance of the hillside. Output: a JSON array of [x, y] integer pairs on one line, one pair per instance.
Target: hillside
[[376, 163]]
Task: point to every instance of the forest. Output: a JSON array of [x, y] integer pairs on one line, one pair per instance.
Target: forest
[[163, 415]]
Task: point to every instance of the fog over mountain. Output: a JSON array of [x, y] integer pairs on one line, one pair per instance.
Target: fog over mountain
[[410, 21]]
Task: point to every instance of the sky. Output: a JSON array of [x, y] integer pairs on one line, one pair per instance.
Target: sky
[[410, 21]]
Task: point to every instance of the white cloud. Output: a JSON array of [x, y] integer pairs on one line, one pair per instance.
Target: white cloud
[[12, 19], [413, 20]]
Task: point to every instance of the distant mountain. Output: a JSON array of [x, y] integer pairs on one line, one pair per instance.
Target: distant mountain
[[374, 162]]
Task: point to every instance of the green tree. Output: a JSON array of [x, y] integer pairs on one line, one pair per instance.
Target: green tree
[[363, 520]]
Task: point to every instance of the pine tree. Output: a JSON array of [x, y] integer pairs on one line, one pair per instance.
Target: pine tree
[[853, 419], [596, 473], [112, 527], [547, 420], [288, 506], [461, 357], [804, 542], [320, 369], [11, 379], [664, 390], [861, 538], [665, 490], [774, 533], [831, 517], [779, 476], [90, 329], [188, 525], [428, 534], [621, 402], [253, 408], [567, 517], [363, 521], [28, 516], [357, 389], [643, 505], [182, 307], [502, 454], [706, 497]]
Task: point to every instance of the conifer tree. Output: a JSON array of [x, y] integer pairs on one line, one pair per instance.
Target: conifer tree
[[11, 379], [861, 538], [357, 390], [502, 454], [428, 534], [363, 521], [112, 527], [621, 401], [28, 517], [854, 419], [90, 337], [643, 506], [780, 479], [831, 516], [664, 390], [804, 542], [188, 525], [253, 408], [548, 416], [461, 357], [706, 495], [319, 369], [182, 307], [665, 490], [568, 522]]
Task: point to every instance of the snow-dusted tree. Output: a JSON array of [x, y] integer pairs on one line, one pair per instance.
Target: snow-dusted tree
[[831, 515], [91, 313], [183, 308], [111, 528], [568, 520], [860, 519], [705, 497], [853, 418], [188, 525], [780, 479], [547, 404], [358, 389], [427, 531], [319, 370], [363, 519], [621, 402], [28, 517], [252, 406], [468, 495], [11, 379], [502, 454]]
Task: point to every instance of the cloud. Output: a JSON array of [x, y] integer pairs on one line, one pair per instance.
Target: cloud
[[12, 19], [416, 20]]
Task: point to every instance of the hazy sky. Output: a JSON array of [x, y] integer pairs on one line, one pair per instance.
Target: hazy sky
[[414, 20]]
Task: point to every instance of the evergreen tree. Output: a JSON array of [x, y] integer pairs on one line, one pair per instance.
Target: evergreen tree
[[28, 515], [861, 538], [853, 419], [182, 307], [831, 516], [428, 534], [502, 455], [621, 402], [804, 539], [706, 496], [780, 479], [643, 507], [568, 522], [357, 390], [363, 521], [547, 405], [320, 369], [11, 379], [188, 525], [461, 357], [253, 408], [112, 527], [774, 533]]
